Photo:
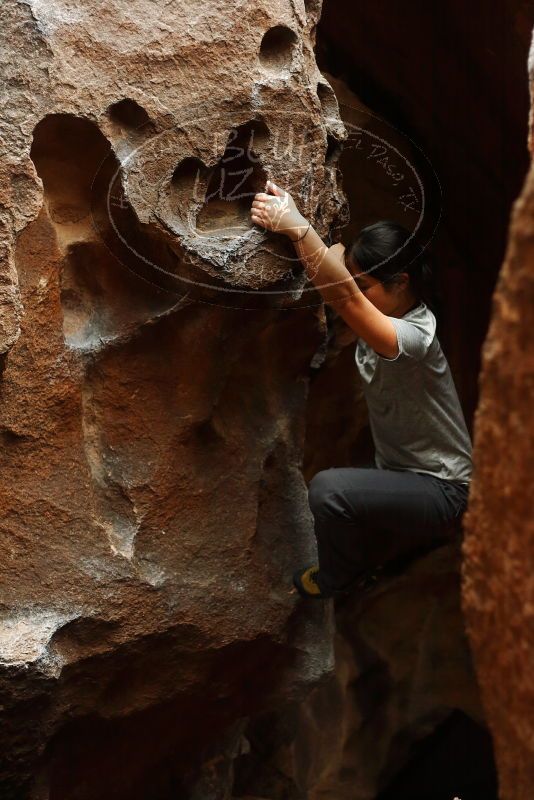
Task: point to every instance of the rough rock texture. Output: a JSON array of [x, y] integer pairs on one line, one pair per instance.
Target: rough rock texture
[[402, 671], [153, 392], [499, 548], [156, 357]]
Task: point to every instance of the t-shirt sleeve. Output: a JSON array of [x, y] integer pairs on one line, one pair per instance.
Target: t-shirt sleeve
[[413, 337]]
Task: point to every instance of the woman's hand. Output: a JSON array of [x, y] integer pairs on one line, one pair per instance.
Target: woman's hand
[[277, 212]]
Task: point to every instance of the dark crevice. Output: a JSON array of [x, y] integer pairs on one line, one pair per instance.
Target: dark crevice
[[333, 150], [456, 760]]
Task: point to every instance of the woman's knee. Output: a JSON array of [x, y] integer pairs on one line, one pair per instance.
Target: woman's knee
[[320, 489], [325, 493]]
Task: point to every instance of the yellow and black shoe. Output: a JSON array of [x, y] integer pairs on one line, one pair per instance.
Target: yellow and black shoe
[[305, 582]]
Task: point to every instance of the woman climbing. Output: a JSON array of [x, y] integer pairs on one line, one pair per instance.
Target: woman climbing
[[419, 482]]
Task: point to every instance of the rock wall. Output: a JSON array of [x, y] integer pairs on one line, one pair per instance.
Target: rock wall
[[499, 549], [399, 718], [156, 357], [154, 387]]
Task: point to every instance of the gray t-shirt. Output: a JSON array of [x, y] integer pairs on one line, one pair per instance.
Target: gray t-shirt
[[415, 415]]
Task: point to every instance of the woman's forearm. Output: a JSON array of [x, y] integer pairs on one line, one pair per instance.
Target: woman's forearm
[[326, 270], [277, 211]]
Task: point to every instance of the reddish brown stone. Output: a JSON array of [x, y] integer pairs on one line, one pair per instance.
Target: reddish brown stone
[[498, 586], [153, 396]]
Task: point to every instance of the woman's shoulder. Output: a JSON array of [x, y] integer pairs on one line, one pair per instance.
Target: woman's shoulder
[[420, 310], [422, 317]]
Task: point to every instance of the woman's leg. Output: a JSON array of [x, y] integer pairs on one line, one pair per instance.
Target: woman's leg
[[366, 516]]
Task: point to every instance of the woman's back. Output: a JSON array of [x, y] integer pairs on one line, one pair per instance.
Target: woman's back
[[415, 414]]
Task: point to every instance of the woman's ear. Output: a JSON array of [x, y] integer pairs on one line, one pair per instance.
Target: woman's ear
[[403, 281]]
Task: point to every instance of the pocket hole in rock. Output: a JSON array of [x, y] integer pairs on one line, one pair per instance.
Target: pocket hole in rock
[[102, 287], [277, 48], [130, 117], [67, 152], [235, 180], [187, 185]]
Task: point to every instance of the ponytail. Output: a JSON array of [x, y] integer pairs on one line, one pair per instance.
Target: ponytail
[[423, 284]]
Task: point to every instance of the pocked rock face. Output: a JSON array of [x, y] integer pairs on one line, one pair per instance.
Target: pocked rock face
[[154, 383], [153, 132], [499, 549]]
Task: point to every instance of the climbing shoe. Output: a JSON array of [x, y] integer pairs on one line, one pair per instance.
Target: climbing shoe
[[305, 582]]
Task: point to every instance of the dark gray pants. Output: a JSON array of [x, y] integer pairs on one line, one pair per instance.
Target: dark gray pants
[[365, 517]]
